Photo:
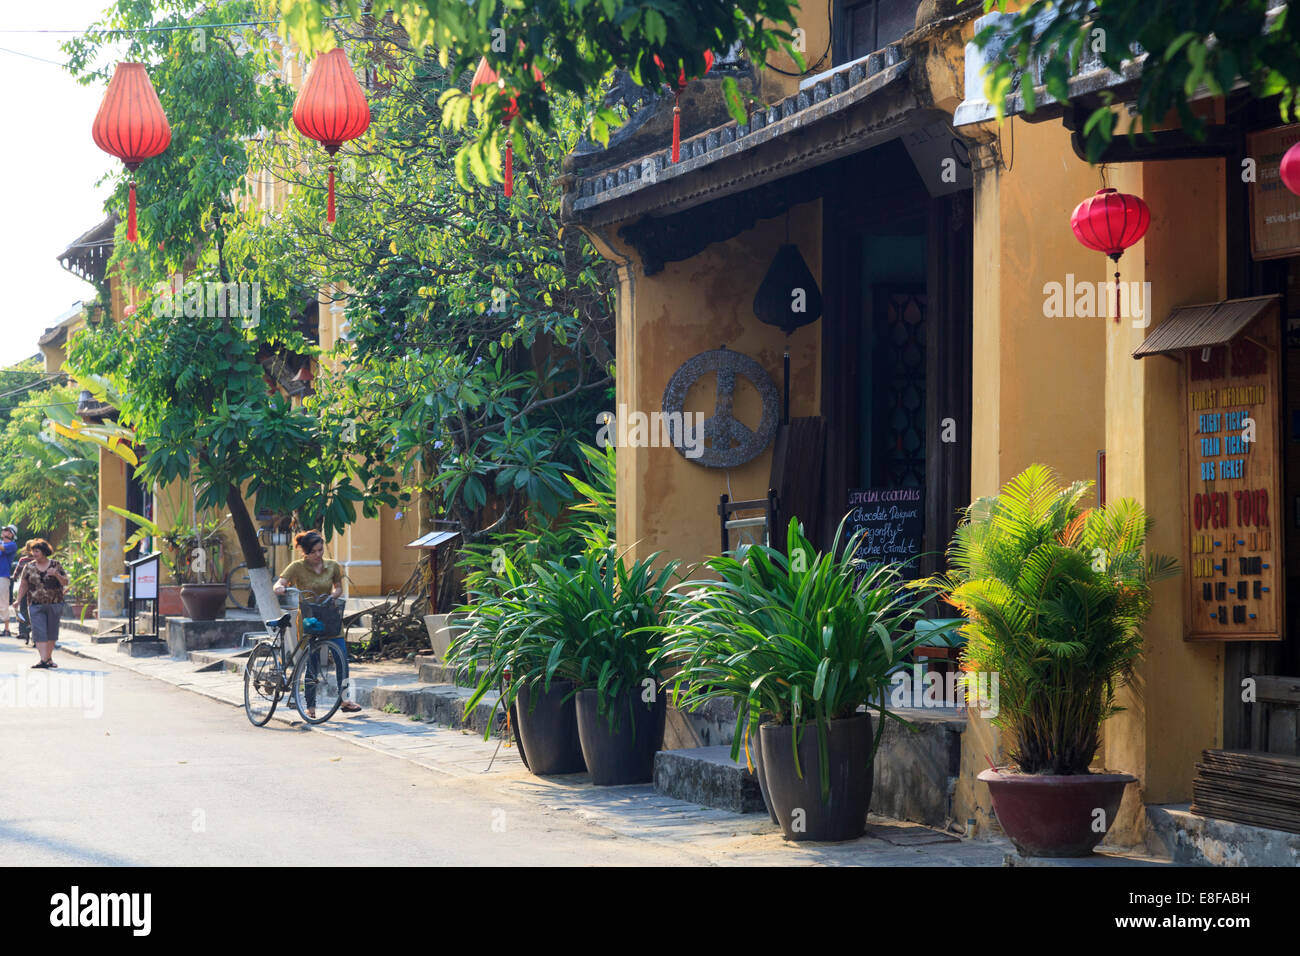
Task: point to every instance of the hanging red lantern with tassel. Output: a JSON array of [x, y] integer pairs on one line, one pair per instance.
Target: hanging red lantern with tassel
[[131, 125], [331, 108], [1110, 222], [677, 101], [486, 76]]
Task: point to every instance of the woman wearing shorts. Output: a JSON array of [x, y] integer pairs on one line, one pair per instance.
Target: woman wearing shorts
[[42, 582]]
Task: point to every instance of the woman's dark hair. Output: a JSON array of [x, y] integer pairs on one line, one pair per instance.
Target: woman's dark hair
[[41, 545], [308, 540]]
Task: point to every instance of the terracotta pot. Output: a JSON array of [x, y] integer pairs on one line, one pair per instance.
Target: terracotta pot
[[169, 600], [204, 602], [800, 808], [1055, 815], [80, 610]]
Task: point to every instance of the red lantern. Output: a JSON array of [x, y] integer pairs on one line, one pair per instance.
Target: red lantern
[[677, 96], [486, 76], [1110, 222], [1290, 169], [331, 108], [131, 125]]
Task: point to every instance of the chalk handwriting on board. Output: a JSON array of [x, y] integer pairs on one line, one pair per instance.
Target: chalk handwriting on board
[[892, 522]]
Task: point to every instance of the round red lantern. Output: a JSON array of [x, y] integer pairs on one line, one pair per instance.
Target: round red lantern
[[1290, 169], [1110, 222], [131, 125], [677, 96], [486, 76], [331, 108]]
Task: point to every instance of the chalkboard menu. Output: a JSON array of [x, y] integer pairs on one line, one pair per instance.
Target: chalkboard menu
[[892, 521], [1234, 513]]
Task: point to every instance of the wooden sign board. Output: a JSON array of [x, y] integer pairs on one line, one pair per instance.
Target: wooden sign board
[[1274, 209], [1234, 515], [892, 521]]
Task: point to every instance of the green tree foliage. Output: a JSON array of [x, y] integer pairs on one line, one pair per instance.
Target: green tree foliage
[[48, 484], [574, 46], [190, 368], [476, 351], [1191, 47]]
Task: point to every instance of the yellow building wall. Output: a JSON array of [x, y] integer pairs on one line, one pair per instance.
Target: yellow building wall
[[666, 502], [1038, 383], [1175, 708]]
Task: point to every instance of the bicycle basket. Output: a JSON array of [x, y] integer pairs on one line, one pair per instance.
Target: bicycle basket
[[330, 614]]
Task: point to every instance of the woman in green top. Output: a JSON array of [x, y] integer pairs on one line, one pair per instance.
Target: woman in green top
[[312, 572]]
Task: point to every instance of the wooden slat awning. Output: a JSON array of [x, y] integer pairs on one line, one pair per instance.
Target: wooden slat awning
[[1202, 326]]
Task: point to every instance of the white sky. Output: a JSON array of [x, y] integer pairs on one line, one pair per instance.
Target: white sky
[[48, 169]]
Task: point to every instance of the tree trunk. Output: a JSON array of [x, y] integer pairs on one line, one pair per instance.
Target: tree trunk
[[259, 576]]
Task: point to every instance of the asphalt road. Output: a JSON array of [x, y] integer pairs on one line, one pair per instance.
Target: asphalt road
[[99, 765]]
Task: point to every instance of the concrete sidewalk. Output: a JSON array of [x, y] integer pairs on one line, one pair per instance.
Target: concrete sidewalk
[[718, 837]]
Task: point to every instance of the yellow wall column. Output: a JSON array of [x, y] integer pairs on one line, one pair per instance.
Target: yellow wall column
[[1038, 379], [1175, 708], [112, 534]]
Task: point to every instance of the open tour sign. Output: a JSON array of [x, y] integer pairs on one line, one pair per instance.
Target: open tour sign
[[1233, 458]]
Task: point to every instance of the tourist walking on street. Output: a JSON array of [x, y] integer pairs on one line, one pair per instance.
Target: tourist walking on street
[[42, 583], [8, 553], [313, 573]]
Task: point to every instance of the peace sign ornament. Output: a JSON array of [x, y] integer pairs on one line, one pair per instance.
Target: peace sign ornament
[[728, 442]]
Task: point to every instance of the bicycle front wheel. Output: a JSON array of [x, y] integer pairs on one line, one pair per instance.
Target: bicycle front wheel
[[263, 681], [318, 682]]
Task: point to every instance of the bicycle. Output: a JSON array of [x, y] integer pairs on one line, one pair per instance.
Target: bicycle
[[316, 684]]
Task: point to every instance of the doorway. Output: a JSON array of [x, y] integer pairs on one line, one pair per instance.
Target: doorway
[[896, 341]]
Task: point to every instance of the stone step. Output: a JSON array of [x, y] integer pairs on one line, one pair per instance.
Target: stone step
[[708, 776], [915, 771], [443, 704], [433, 671], [1193, 839]]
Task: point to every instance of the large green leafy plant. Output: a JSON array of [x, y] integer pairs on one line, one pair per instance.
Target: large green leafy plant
[[574, 46], [592, 619], [799, 638], [1055, 596]]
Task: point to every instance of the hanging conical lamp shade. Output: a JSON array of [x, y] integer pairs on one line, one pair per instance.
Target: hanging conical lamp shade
[[131, 125], [331, 108], [486, 76]]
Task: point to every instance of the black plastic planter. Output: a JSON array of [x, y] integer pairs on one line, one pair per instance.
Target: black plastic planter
[[798, 804], [626, 755], [547, 725], [756, 755]]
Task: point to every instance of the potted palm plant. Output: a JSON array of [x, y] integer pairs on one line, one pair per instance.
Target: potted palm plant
[[1055, 596], [804, 642]]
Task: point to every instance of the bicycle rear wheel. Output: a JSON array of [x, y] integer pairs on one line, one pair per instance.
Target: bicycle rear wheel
[[241, 589], [318, 681], [263, 682]]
